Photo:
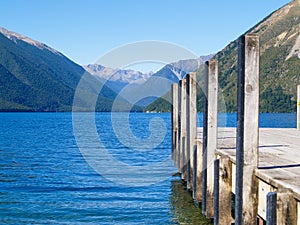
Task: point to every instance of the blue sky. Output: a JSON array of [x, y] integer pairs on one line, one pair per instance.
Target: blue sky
[[85, 30]]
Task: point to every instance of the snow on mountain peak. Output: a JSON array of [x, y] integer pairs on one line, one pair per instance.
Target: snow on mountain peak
[[125, 76]]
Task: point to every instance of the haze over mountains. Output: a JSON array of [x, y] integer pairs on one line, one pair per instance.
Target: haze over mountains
[[131, 83], [124, 76], [117, 79]]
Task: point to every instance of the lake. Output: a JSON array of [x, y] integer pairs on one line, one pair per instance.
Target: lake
[[104, 169]]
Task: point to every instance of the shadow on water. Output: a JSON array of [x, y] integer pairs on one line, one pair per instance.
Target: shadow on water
[[184, 209]]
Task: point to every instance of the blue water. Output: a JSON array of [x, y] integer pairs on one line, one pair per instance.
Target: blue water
[[45, 178], [266, 120]]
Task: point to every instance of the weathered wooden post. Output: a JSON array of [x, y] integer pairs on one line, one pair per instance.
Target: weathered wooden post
[[194, 172], [298, 107], [225, 190], [179, 153], [191, 122], [286, 207], [271, 208], [179, 129], [204, 142], [210, 132], [187, 159], [216, 192], [247, 130], [174, 121], [183, 147], [198, 170]]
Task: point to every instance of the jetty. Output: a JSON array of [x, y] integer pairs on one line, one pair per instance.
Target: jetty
[[255, 171]]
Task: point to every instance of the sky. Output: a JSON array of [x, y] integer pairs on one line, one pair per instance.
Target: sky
[[86, 30]]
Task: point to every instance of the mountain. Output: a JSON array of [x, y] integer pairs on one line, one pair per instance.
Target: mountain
[[117, 79], [35, 77], [178, 70], [125, 76], [175, 72], [160, 82], [144, 88], [279, 35], [170, 73]]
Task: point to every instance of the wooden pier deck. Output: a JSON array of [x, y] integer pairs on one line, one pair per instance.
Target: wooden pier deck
[[261, 166], [279, 155], [278, 162]]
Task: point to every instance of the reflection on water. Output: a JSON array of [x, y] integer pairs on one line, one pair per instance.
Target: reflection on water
[[183, 207]]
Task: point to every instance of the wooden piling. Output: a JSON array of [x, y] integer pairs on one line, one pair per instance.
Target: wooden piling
[[198, 169], [204, 141], [179, 151], [271, 208], [183, 148], [216, 192], [210, 130], [286, 208], [191, 118], [298, 107], [225, 184], [194, 172], [177, 163], [247, 130], [174, 121]]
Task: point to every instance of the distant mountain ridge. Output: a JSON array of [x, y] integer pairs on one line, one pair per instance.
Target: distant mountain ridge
[[117, 79], [174, 71], [125, 76], [35, 77], [134, 83], [177, 70]]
